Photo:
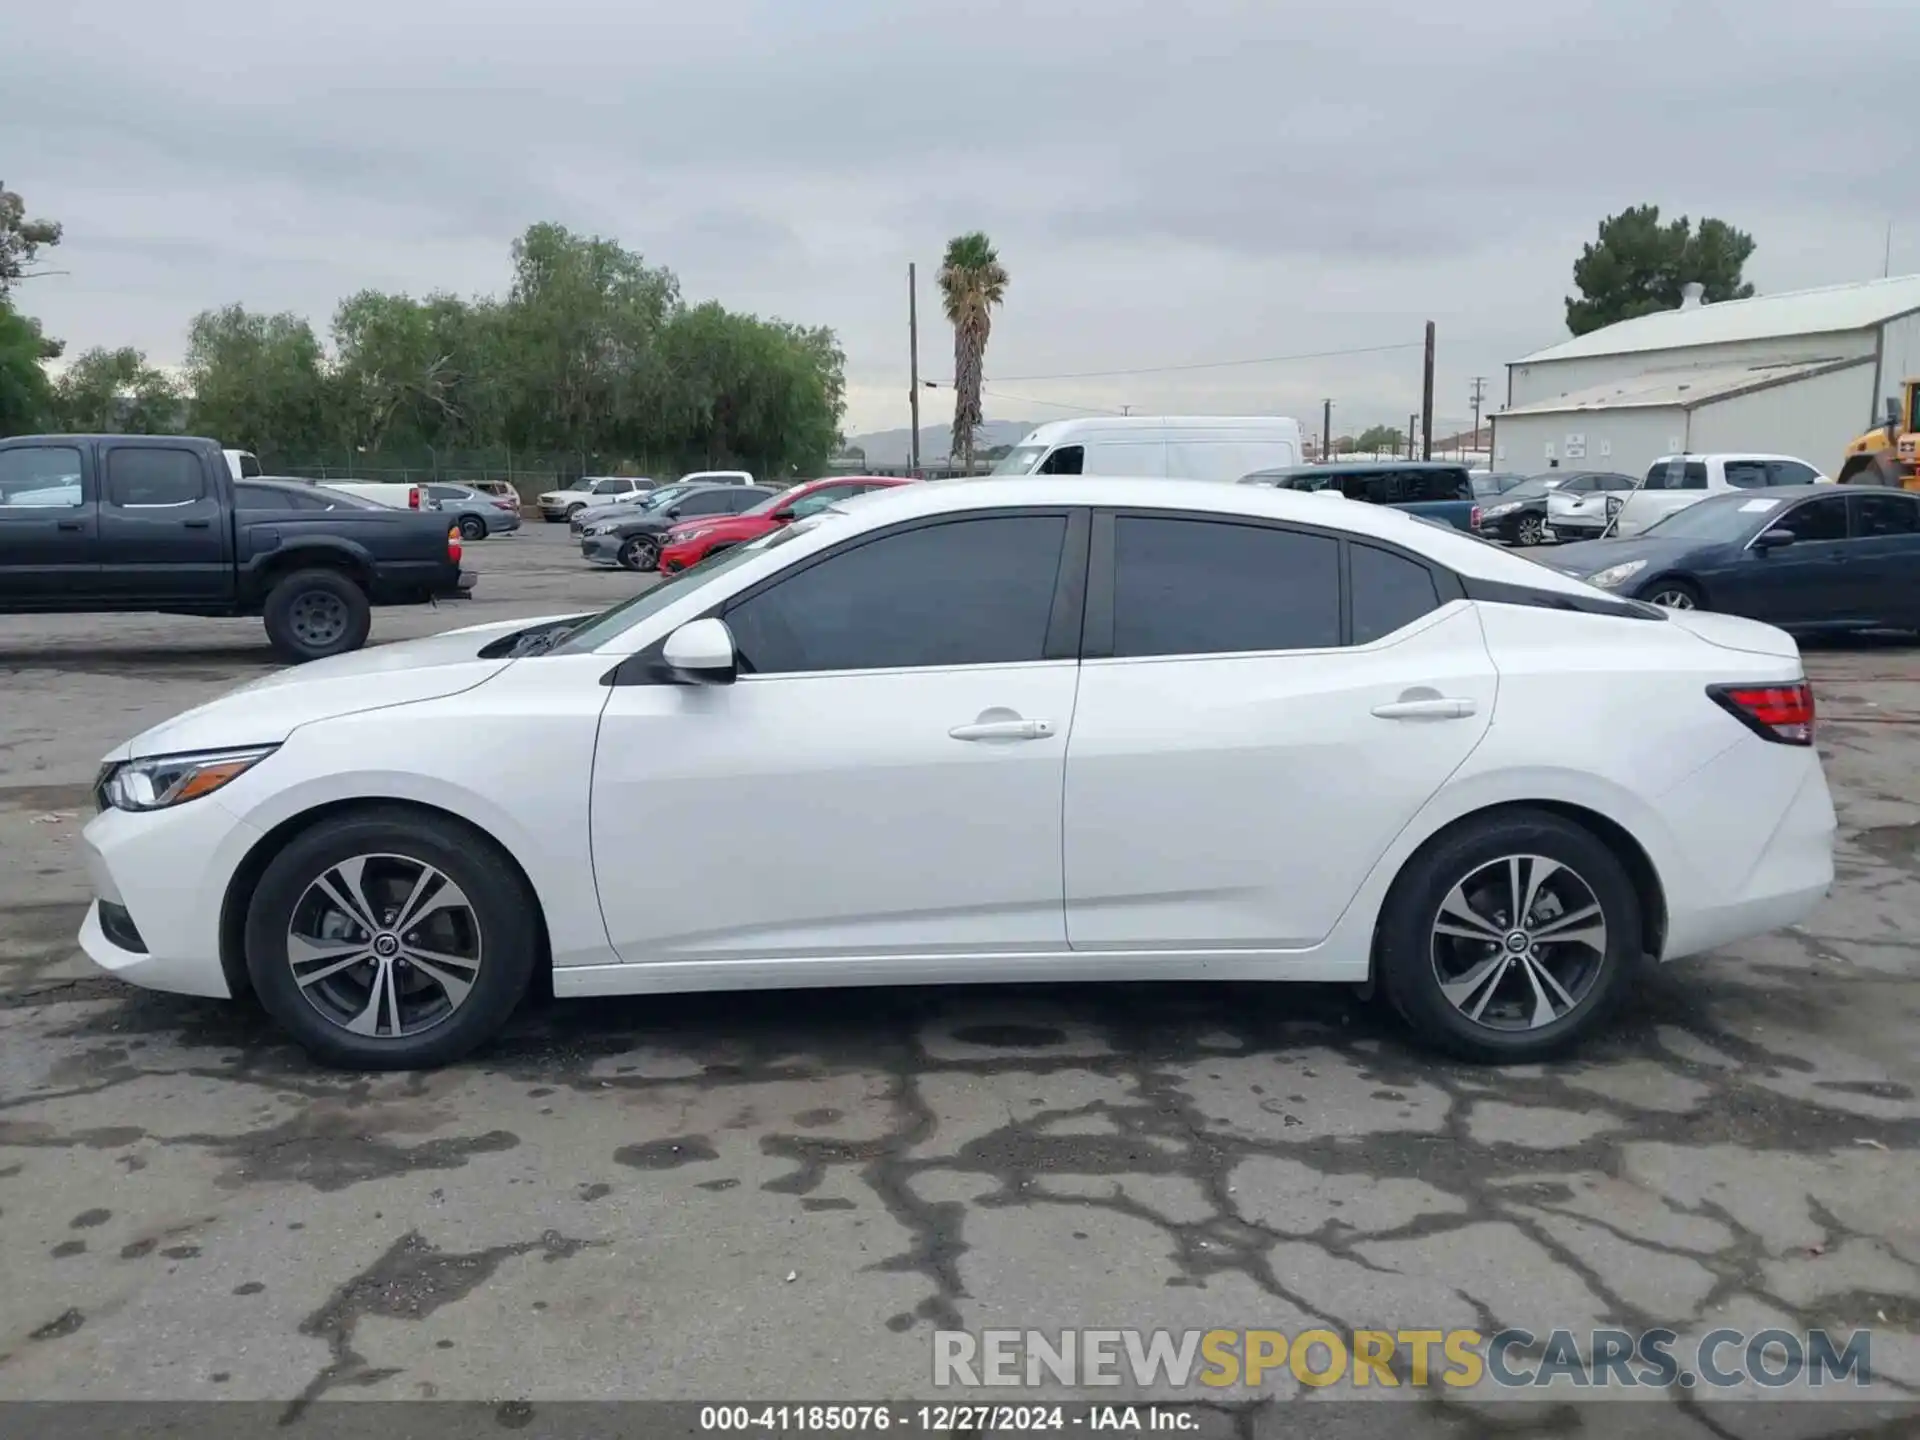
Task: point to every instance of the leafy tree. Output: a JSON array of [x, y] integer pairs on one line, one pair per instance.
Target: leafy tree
[[117, 390], [972, 282], [26, 397], [1378, 439], [257, 381], [1344, 445], [403, 369], [1637, 266], [21, 240]]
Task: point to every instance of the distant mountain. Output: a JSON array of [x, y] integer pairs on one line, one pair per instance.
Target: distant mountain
[[890, 447]]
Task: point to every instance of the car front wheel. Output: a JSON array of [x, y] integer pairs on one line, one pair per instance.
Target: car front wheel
[[1510, 938], [1530, 530], [640, 552], [390, 939]]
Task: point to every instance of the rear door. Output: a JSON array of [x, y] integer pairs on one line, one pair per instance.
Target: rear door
[[163, 536], [1232, 697], [49, 524], [1885, 530]]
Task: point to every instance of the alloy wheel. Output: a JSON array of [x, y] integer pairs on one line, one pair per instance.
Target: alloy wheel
[[1672, 598], [384, 946], [1531, 531], [1519, 943], [640, 553]]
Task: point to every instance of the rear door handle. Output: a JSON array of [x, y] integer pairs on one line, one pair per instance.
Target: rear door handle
[[1439, 708], [1003, 730], [198, 524], [72, 524]]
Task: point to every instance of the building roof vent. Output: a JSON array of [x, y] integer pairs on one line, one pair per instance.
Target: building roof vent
[[1692, 295]]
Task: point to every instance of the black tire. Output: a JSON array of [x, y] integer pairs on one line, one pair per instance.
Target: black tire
[[472, 527], [1528, 530], [640, 552], [573, 510], [312, 614], [1674, 595], [1411, 955], [498, 903]]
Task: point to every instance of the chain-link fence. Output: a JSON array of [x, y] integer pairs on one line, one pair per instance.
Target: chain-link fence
[[528, 471]]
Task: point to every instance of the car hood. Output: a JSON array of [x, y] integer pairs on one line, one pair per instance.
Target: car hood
[[1589, 557], [734, 527], [271, 708]]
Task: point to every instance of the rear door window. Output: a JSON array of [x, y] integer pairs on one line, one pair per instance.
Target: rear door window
[[150, 478], [1206, 587], [1887, 512], [1748, 474], [261, 497], [1817, 520], [1677, 475]]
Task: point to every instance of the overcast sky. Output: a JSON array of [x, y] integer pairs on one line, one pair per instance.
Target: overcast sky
[[1169, 184]]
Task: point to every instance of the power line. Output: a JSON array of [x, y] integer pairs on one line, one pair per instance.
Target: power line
[[1217, 364], [1056, 404]]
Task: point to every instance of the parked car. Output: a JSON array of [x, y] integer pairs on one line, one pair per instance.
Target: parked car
[[716, 477], [477, 515], [1808, 558], [633, 541], [558, 505], [498, 489], [689, 542], [621, 505], [1519, 517], [396, 494], [1372, 750], [1432, 489], [1581, 507], [157, 523], [1184, 447], [1674, 482]]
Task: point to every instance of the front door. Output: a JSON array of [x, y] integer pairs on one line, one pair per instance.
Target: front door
[[1813, 581], [1244, 756], [48, 526], [884, 778], [163, 535]]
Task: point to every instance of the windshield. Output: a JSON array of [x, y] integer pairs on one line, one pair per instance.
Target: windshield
[[655, 499], [776, 501], [585, 482], [1728, 519], [603, 627], [1534, 488], [1020, 460]]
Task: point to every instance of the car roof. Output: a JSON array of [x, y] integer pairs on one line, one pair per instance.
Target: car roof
[[1360, 467], [1732, 455]]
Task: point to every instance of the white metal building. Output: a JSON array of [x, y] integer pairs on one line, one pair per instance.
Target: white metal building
[[1799, 373]]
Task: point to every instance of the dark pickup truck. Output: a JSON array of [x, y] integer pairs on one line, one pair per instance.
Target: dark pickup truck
[[1431, 489], [94, 523]]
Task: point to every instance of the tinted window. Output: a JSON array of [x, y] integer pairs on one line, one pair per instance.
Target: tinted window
[[1204, 587], [1889, 513], [249, 465], [968, 592], [1672, 475], [611, 487], [1441, 485], [1747, 474], [446, 492], [1791, 472], [1822, 519], [138, 476], [1067, 460], [740, 499], [34, 476], [711, 502], [261, 497], [1389, 591]]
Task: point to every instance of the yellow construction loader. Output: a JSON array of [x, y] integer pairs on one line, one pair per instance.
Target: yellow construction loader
[[1889, 454]]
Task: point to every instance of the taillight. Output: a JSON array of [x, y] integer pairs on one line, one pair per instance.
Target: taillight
[[1783, 713], [1474, 519], [413, 498], [453, 545], [505, 505]]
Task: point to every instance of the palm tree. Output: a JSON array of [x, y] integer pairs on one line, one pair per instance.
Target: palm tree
[[972, 282]]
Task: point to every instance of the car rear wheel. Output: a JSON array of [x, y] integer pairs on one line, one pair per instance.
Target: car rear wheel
[[1530, 530], [640, 552], [472, 527], [390, 940], [1510, 938], [312, 614], [1674, 595]]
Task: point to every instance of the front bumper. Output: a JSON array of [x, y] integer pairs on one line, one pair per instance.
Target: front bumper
[[169, 871], [601, 549], [675, 558]]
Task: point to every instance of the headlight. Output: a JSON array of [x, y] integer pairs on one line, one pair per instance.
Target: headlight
[[164, 780], [1507, 508], [693, 534], [1616, 575]]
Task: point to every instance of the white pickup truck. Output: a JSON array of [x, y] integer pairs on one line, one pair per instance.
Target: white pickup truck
[[1673, 482]]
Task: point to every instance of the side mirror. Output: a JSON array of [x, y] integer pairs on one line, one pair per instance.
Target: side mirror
[[1774, 539], [701, 652], [784, 514]]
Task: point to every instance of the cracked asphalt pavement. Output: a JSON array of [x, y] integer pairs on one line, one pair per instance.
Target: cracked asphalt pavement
[[707, 1197]]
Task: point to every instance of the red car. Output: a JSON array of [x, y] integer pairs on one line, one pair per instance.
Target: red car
[[692, 541]]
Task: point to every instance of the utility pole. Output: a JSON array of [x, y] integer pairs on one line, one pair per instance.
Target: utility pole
[[1326, 431], [1426, 400], [1412, 422], [913, 368], [1479, 395], [1886, 264]]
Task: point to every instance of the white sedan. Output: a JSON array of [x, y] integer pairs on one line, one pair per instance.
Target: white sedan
[[1026, 729]]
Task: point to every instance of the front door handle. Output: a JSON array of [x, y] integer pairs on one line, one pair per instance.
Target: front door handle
[[198, 524], [72, 524], [1440, 707], [1003, 730]]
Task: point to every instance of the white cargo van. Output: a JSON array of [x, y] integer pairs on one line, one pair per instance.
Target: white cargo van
[[1184, 447]]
